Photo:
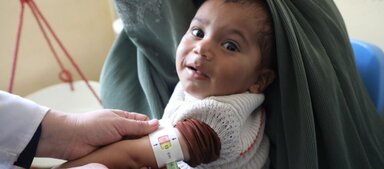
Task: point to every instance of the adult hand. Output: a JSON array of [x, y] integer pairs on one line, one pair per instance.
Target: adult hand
[[69, 136]]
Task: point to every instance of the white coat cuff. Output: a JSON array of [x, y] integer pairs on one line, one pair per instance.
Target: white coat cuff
[[19, 119]]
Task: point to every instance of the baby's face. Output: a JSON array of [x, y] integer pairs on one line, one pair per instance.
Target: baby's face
[[219, 54]]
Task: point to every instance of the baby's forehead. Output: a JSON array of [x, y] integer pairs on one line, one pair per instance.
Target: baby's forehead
[[248, 16], [252, 13]]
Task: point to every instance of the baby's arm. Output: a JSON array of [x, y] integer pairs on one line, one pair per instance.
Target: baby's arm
[[199, 144], [135, 153]]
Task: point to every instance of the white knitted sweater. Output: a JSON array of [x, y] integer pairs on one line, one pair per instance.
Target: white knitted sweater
[[237, 122]]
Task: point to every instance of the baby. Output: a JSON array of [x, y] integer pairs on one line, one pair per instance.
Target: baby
[[224, 63]]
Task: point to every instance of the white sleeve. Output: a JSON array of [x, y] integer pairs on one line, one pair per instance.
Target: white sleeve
[[19, 119]]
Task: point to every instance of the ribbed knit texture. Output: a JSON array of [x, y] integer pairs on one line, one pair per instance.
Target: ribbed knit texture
[[236, 120]]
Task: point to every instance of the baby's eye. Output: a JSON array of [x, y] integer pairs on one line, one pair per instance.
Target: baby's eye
[[231, 46], [197, 32]]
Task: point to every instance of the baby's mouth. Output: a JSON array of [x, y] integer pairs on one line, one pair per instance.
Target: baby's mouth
[[197, 72], [192, 68]]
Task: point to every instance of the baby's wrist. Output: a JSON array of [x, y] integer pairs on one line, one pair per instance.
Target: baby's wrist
[[166, 145]]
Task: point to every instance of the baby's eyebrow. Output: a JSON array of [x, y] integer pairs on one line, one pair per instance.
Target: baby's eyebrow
[[238, 33], [203, 21]]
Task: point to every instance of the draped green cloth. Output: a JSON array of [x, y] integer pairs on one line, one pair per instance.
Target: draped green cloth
[[319, 114]]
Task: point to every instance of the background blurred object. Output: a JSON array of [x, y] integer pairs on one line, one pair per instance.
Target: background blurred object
[[61, 97], [370, 64], [84, 27], [363, 19]]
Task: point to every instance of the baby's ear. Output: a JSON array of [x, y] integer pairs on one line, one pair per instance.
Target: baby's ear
[[265, 77]]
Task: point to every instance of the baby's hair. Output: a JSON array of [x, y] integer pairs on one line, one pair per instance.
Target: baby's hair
[[265, 36]]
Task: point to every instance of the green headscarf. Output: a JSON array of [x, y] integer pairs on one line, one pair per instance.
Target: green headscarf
[[320, 113]]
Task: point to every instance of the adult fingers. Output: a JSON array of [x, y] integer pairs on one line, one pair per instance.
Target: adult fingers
[[138, 116], [129, 127], [131, 115]]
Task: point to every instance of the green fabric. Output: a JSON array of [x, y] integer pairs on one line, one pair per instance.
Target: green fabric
[[139, 74], [319, 114]]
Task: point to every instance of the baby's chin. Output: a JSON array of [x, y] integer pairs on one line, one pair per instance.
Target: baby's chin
[[204, 95], [197, 94]]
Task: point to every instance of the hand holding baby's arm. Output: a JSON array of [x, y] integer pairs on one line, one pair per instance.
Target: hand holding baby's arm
[[138, 153], [133, 153]]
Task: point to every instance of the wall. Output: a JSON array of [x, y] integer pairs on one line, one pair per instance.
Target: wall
[[84, 27], [363, 19]]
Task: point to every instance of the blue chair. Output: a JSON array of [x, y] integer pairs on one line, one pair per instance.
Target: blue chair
[[370, 64]]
